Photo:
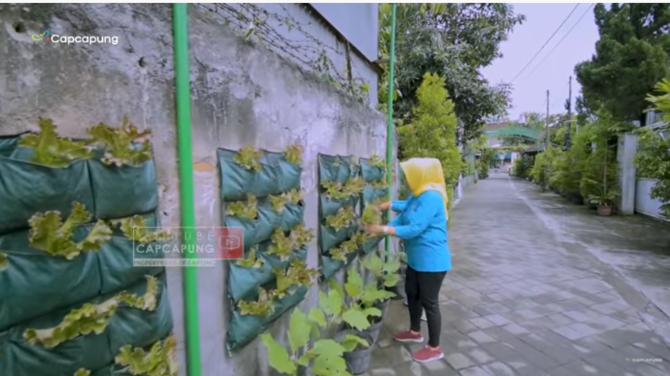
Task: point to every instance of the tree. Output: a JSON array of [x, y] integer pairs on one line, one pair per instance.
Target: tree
[[454, 41], [432, 133], [631, 57]]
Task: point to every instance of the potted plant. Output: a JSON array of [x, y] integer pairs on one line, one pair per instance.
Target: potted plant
[[386, 273], [604, 202]]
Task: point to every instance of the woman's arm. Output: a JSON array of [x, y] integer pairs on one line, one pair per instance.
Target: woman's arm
[[398, 206], [418, 218]]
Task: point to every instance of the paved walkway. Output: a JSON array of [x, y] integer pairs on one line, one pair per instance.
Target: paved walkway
[[541, 287]]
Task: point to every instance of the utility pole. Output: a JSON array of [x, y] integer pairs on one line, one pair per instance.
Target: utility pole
[[546, 146], [567, 134]]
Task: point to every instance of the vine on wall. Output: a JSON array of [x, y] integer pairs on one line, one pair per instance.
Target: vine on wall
[[283, 34]]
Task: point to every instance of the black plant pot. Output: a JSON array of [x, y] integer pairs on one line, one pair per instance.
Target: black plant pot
[[358, 361]]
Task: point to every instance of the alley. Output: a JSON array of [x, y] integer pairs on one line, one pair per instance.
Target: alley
[[536, 291]]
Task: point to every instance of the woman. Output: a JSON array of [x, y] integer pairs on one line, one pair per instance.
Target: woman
[[422, 226]]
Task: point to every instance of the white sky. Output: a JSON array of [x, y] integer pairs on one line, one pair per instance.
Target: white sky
[[529, 91]]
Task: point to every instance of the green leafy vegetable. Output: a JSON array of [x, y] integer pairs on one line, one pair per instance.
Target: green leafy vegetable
[[279, 202], [278, 357], [376, 161], [297, 274], [350, 342], [91, 318], [379, 184], [293, 154], [345, 248], [134, 228], [125, 145], [161, 360], [4, 261], [371, 215], [335, 190], [343, 218], [49, 234], [251, 260], [249, 158], [263, 306], [244, 209], [82, 372], [51, 150]]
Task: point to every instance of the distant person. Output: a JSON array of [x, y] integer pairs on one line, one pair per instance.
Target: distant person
[[422, 226]]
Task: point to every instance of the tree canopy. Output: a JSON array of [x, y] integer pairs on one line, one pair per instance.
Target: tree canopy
[[631, 57], [454, 41]]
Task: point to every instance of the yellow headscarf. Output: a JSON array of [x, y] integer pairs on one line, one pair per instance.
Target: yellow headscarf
[[425, 174]]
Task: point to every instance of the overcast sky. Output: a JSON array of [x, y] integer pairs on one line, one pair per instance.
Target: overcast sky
[[529, 90]]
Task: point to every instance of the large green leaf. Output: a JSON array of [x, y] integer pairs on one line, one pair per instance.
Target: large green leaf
[[316, 315], [299, 331], [356, 318], [327, 347], [278, 357], [350, 342]]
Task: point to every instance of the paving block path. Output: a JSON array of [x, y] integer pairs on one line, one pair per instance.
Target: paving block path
[[526, 298]]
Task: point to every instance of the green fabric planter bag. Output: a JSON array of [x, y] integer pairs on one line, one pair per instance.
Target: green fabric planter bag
[[248, 228], [244, 328], [330, 266], [328, 207], [236, 181], [370, 194], [371, 245], [329, 238], [118, 370], [334, 168], [243, 282], [291, 216], [116, 263], [288, 173], [120, 192], [128, 326], [131, 326], [35, 283], [371, 173], [27, 188]]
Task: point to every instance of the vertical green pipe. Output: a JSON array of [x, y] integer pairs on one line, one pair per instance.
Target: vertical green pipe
[[389, 128], [186, 195]]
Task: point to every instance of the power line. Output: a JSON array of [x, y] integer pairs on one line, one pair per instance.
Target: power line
[[545, 43], [559, 42]]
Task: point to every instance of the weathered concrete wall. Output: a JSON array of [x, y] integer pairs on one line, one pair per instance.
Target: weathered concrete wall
[[242, 95]]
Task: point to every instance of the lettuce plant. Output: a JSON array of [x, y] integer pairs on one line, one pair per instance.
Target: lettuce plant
[[371, 215], [376, 161], [160, 360], [82, 372], [251, 260], [243, 209], [279, 202], [263, 306], [297, 274], [379, 184], [249, 158], [4, 261], [293, 154], [344, 217], [47, 233], [335, 190], [135, 229], [125, 145], [345, 248], [51, 150], [92, 318]]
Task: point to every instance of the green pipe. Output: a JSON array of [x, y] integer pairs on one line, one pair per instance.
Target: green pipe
[[186, 195], [389, 128]]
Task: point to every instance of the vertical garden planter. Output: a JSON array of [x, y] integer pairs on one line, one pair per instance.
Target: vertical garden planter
[[277, 176]]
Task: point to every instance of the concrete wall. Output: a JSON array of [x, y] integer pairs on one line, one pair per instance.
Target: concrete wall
[[307, 37], [626, 172], [241, 95]]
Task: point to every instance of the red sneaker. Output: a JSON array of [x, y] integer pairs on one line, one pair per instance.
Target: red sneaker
[[408, 336], [428, 354]]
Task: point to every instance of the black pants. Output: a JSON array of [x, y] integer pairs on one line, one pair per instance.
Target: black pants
[[423, 290]]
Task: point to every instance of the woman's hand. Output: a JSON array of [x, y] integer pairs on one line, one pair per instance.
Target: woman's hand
[[374, 230], [385, 206]]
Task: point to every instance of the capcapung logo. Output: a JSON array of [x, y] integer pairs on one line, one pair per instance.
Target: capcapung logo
[[69, 39]]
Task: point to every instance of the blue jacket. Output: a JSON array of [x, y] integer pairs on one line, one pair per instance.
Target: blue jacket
[[422, 225]]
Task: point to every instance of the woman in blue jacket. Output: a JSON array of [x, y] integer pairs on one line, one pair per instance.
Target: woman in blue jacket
[[422, 226]]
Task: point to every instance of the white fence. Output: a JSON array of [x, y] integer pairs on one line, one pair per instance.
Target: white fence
[[644, 204]]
